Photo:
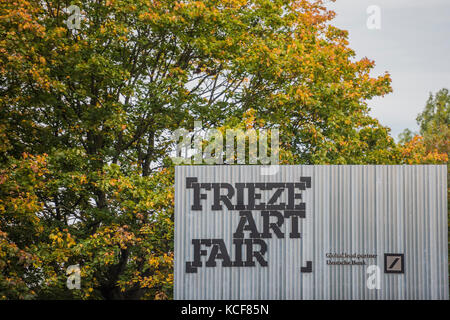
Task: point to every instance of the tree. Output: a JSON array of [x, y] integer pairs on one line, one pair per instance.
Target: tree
[[434, 123], [431, 143], [95, 106], [19, 226], [406, 136]]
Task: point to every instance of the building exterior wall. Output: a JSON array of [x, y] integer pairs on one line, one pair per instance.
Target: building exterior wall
[[349, 210]]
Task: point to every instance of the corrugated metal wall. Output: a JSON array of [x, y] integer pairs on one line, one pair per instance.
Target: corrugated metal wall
[[351, 209]]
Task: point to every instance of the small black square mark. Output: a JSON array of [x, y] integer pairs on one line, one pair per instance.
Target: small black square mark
[[308, 268], [394, 263]]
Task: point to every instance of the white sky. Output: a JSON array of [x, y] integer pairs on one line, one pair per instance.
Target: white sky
[[413, 45]]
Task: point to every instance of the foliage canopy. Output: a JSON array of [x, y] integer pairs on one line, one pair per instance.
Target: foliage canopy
[[85, 115]]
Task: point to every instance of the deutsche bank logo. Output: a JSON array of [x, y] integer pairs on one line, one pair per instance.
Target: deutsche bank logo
[[394, 263]]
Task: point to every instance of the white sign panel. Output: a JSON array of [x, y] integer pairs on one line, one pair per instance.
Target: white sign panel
[[311, 232]]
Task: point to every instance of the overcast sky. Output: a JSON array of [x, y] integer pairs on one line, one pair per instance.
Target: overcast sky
[[413, 45]]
